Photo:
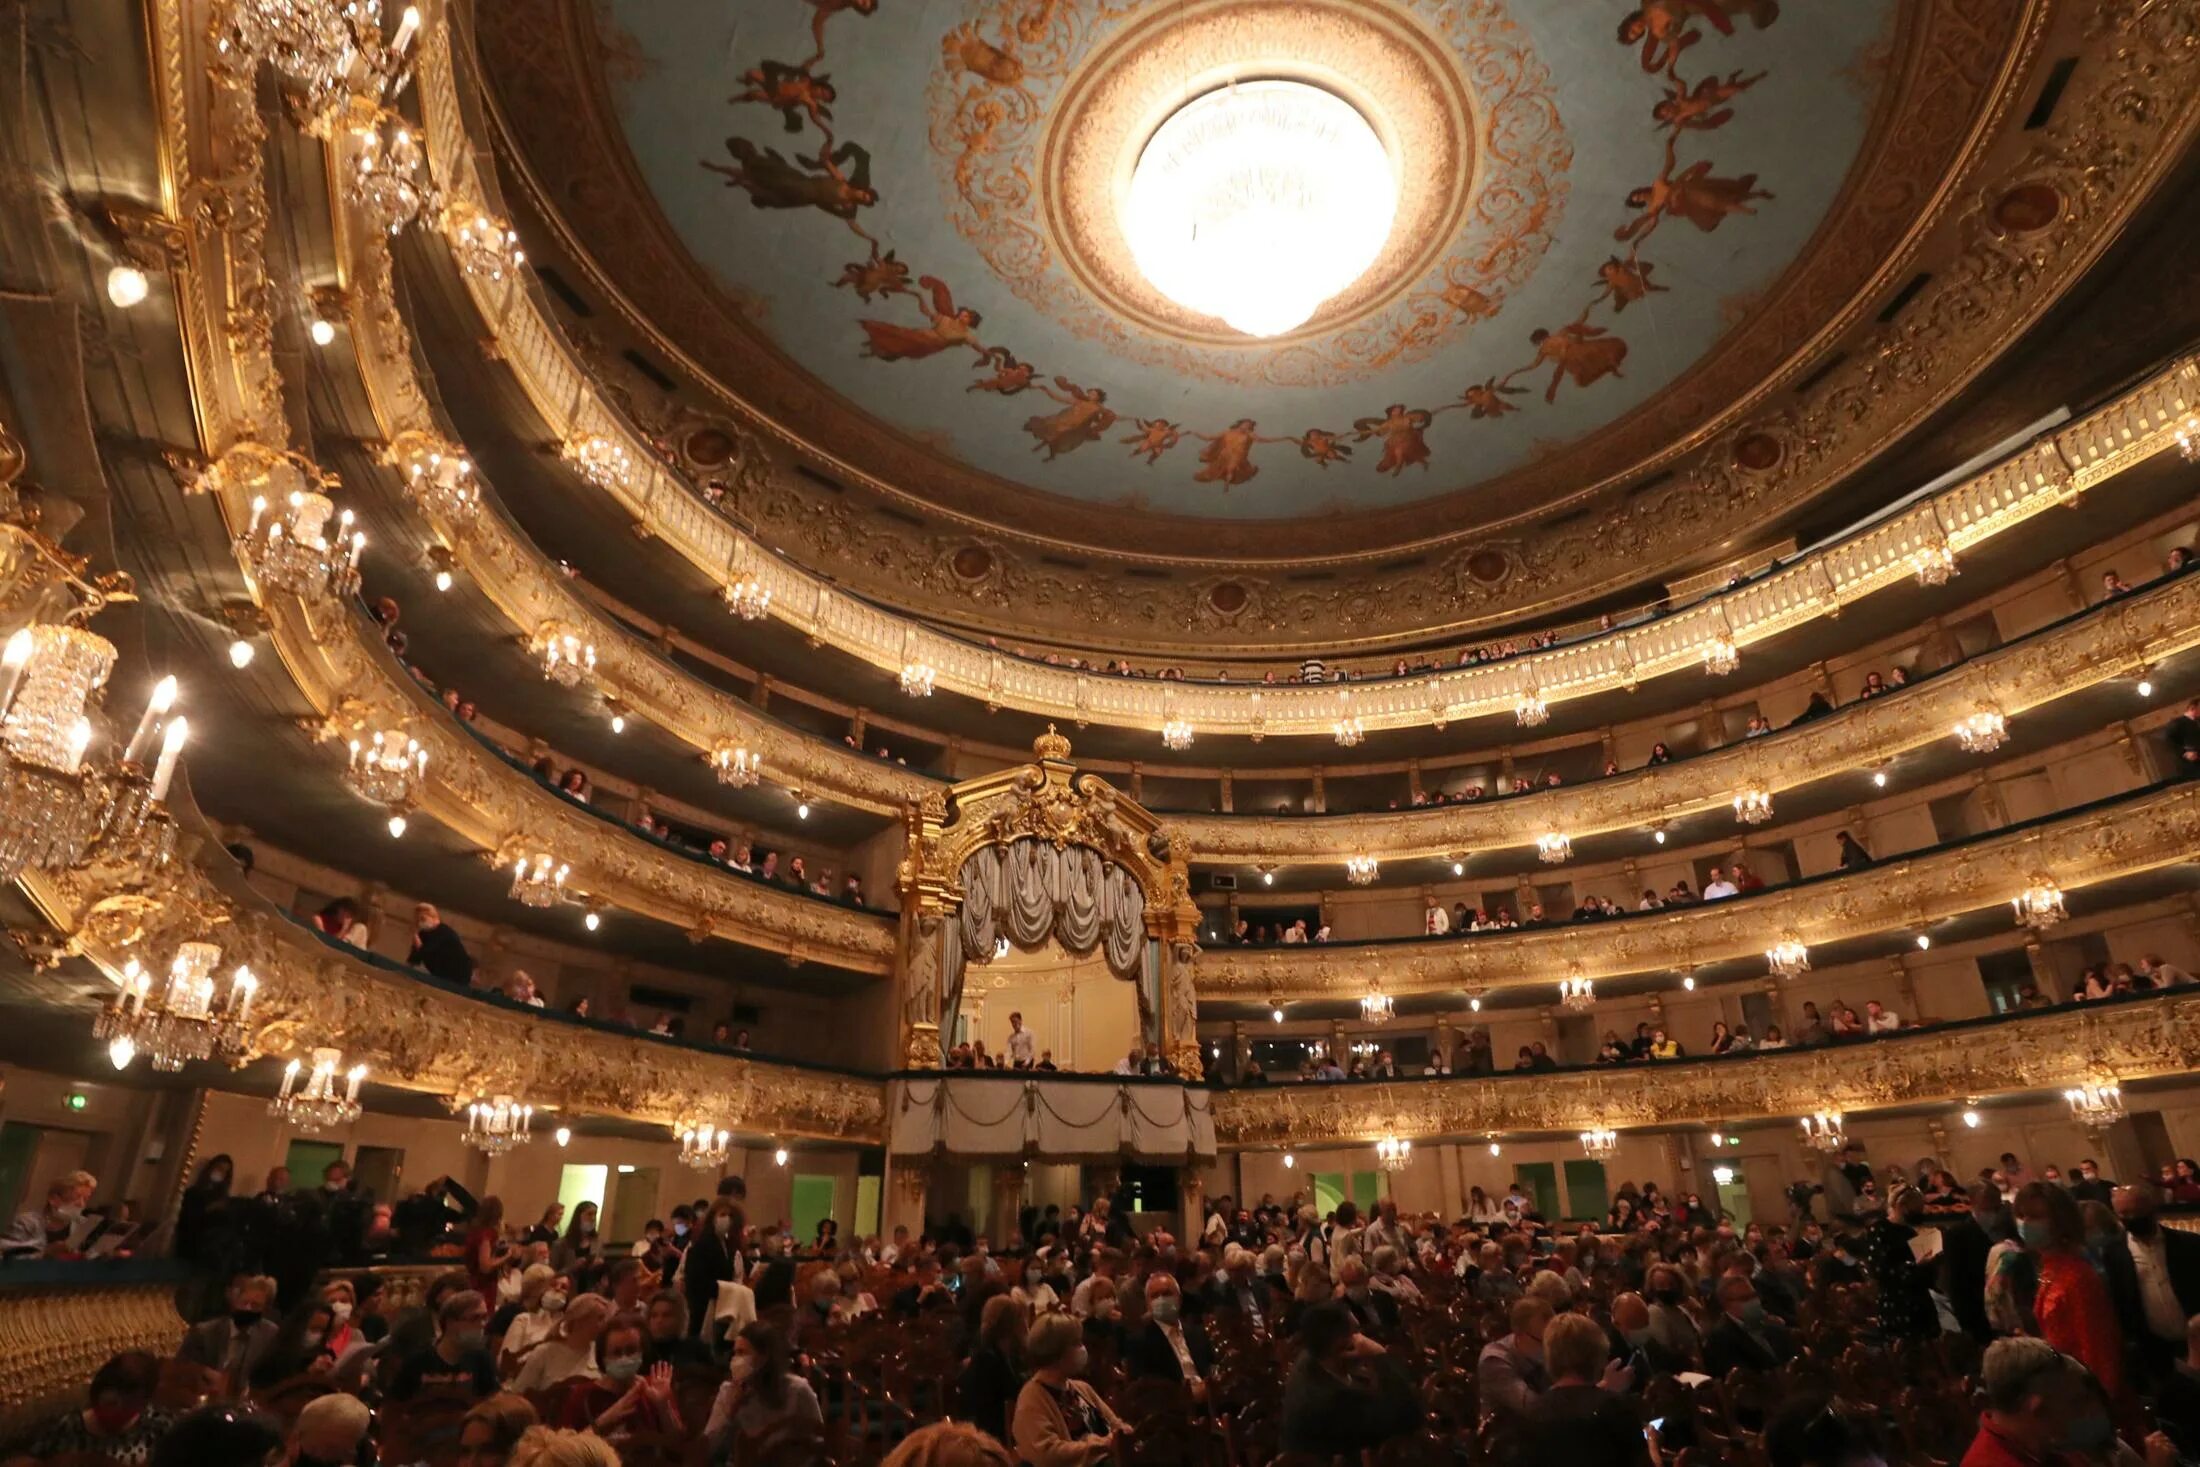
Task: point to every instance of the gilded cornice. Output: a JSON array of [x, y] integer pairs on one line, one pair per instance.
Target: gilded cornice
[[417, 1035], [2122, 121], [212, 130], [2139, 832], [2037, 1051], [2111, 641]]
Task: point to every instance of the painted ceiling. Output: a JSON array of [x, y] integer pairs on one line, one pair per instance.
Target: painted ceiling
[[912, 204]]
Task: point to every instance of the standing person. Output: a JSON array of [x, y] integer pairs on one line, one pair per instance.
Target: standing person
[[1906, 1309], [2152, 1273], [712, 1259], [1022, 1047], [2072, 1303], [578, 1247], [1963, 1253], [437, 949], [487, 1254]]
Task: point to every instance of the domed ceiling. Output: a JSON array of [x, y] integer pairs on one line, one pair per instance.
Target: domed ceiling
[[890, 229]]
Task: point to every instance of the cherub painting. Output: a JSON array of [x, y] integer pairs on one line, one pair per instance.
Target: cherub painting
[[1085, 415], [1578, 350], [1626, 281], [1009, 375], [1704, 106], [1323, 447], [1153, 438], [826, 10], [1403, 431], [882, 274], [1662, 26], [771, 182], [1692, 194], [948, 326], [791, 91], [1487, 399], [1228, 457]]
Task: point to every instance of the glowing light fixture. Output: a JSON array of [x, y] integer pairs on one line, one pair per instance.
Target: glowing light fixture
[[1823, 1132], [498, 1124], [1361, 870], [126, 286], [703, 1148], [1176, 735], [1553, 848], [1788, 958], [1982, 732], [1393, 1154], [1753, 806], [316, 1105], [2040, 905], [1577, 994], [1600, 1143]]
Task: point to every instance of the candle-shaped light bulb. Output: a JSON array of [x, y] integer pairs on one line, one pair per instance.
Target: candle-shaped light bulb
[[259, 508], [355, 753], [163, 699], [358, 1073], [290, 1080], [12, 662], [358, 543], [408, 26], [171, 749], [240, 993]]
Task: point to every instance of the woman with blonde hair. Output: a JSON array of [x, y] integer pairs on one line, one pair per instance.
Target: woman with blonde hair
[[545, 1446], [949, 1444], [1059, 1420], [570, 1351]]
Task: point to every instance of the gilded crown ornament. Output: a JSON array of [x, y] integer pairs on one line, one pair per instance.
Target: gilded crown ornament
[[1051, 746]]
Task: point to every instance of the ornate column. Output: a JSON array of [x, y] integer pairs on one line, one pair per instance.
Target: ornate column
[[859, 726], [1191, 1193], [1228, 794], [1321, 791], [1008, 1200], [927, 915]]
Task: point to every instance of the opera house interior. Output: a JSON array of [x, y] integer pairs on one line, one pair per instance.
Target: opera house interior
[[1228, 733]]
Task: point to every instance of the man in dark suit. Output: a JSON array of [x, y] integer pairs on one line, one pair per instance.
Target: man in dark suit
[[1963, 1250], [232, 1345], [1745, 1335], [2154, 1279], [1171, 1345]]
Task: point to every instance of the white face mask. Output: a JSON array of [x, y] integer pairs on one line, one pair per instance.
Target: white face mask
[[553, 1302], [743, 1367], [339, 1312]]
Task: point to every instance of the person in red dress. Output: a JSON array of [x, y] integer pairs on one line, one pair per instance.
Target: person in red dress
[[2072, 1306]]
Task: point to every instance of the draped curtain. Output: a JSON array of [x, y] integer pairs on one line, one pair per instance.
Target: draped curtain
[[1029, 889]]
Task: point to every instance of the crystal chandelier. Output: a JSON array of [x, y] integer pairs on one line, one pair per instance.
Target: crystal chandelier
[[1721, 656], [498, 1124], [748, 598], [539, 880], [388, 176], [1982, 732], [917, 678], [1600, 1143], [1934, 564], [1176, 735], [1753, 806], [329, 50], [315, 1105], [1530, 711], [1349, 732], [48, 809], [1361, 870], [487, 248], [1393, 1154], [438, 476], [1577, 994], [2040, 905], [184, 1022], [1788, 958], [735, 765], [1258, 202], [290, 549], [602, 461], [566, 655], [1377, 1007], [2188, 437], [2096, 1105], [387, 768], [705, 1149], [1553, 848], [1822, 1132]]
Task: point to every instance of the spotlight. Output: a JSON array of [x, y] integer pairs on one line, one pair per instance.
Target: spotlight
[[1689, 984], [1879, 778], [1972, 1119], [126, 286], [2146, 688], [1267, 878], [1658, 835], [618, 723], [1924, 941], [1458, 868], [397, 827], [240, 654], [592, 919], [1289, 1161], [1474, 1005], [802, 810], [780, 1156], [322, 332], [443, 580], [562, 1135], [1276, 1014]]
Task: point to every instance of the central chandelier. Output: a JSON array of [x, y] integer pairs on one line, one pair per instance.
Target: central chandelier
[[496, 1125], [387, 768], [1258, 202], [291, 550], [438, 476], [1577, 994], [1753, 806], [1377, 1007], [1982, 732], [705, 1149], [1176, 735], [1553, 848], [1361, 870], [1530, 711], [1600, 1143], [539, 880], [2096, 1105], [328, 49], [1788, 958], [2040, 905], [1721, 656], [315, 1105], [183, 1023], [1393, 1154], [735, 765], [918, 678], [1822, 1132], [566, 655]]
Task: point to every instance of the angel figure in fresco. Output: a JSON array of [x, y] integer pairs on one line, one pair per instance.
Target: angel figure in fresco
[[826, 10], [946, 326], [807, 183], [1403, 431], [1009, 375], [1626, 281], [1487, 399], [1662, 26], [1692, 194], [1578, 350], [1324, 447], [964, 50], [1702, 107], [1228, 457], [1085, 415], [880, 275], [791, 91], [1153, 437]]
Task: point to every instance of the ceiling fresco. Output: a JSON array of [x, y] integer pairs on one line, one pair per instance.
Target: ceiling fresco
[[912, 202]]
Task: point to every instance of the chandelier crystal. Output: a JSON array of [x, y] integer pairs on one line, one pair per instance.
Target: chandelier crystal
[[566, 655], [1934, 564], [1176, 735], [1349, 732], [705, 1149], [1361, 870], [1822, 1132], [48, 810], [1576, 993], [388, 177], [1753, 806], [486, 248], [2040, 905], [498, 1124], [1258, 202], [735, 765], [1721, 656], [1530, 711], [1982, 732], [330, 50], [387, 767], [2188, 438], [316, 1105], [183, 1022], [918, 678], [602, 461], [1788, 958], [439, 476], [539, 880], [2096, 1105], [748, 598], [1554, 848], [1393, 1154], [1600, 1143], [1377, 1007], [290, 549]]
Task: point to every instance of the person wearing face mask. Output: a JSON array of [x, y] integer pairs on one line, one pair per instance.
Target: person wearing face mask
[[712, 1259], [627, 1396], [1906, 1309], [1746, 1334], [230, 1346], [2072, 1305], [570, 1352], [1034, 1292], [2040, 1404], [2090, 1185], [460, 1355], [2154, 1280], [1171, 1345], [331, 1432], [120, 1423], [1060, 1421], [1670, 1326], [48, 1231], [531, 1317], [761, 1394], [1965, 1247]]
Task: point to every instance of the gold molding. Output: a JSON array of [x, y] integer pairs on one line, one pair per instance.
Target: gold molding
[[58, 1336], [2140, 832], [2044, 1051]]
